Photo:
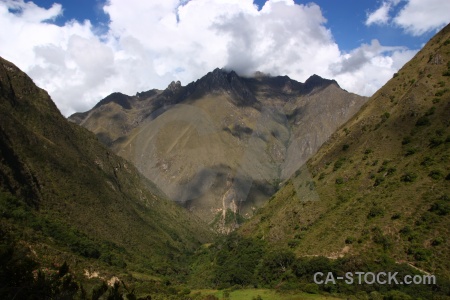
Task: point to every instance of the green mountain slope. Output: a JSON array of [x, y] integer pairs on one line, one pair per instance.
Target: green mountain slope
[[67, 197], [381, 184]]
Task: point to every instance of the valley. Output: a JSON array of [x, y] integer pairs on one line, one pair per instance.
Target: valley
[[228, 188]]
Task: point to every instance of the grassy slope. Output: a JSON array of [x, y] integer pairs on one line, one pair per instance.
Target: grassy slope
[[381, 183], [71, 193], [246, 294]]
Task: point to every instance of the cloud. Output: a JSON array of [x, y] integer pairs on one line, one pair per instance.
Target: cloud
[[416, 17], [281, 39], [379, 16], [147, 44], [367, 68]]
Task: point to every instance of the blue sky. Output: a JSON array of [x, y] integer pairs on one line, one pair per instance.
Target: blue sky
[[81, 51], [345, 18]]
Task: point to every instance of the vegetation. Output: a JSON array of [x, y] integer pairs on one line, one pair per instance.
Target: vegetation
[[21, 277], [68, 198], [388, 196], [240, 264]]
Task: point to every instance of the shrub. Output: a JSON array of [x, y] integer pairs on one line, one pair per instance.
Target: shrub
[[381, 169], [440, 208], [378, 180], [427, 161], [293, 243], [396, 216], [345, 147], [437, 241], [420, 254], [410, 151], [349, 240], [339, 180], [311, 288], [430, 111], [375, 211], [409, 177], [441, 92], [423, 121], [338, 163], [435, 142], [406, 230], [391, 171], [436, 174], [406, 140]]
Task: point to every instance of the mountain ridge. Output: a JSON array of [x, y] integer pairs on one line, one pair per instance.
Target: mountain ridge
[[252, 133], [213, 81]]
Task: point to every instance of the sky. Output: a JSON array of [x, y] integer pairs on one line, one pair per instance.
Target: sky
[[81, 51]]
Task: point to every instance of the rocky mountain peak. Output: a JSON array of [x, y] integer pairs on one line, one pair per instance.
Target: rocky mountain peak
[[118, 98], [174, 86], [315, 81], [221, 80]]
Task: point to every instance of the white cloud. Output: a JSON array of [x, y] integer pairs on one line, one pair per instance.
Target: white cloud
[[416, 17], [150, 43], [369, 67], [379, 16]]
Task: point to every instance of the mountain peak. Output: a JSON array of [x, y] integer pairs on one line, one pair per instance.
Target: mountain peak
[[228, 81], [174, 86], [118, 98], [315, 81]]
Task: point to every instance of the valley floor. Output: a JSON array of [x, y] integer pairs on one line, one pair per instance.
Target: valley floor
[[264, 294]]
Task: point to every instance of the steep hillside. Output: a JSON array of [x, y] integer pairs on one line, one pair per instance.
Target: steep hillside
[[381, 184], [65, 196], [221, 145]]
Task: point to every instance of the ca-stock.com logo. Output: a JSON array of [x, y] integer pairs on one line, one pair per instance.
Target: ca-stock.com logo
[[379, 278]]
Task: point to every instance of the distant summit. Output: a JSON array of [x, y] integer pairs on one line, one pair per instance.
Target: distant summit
[[315, 81], [118, 98]]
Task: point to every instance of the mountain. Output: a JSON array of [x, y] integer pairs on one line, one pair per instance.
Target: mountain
[[221, 145], [381, 184], [66, 197]]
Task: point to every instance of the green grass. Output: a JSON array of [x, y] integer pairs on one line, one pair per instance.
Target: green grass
[[249, 294]]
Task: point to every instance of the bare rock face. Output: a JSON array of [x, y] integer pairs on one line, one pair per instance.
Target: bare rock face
[[222, 145]]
